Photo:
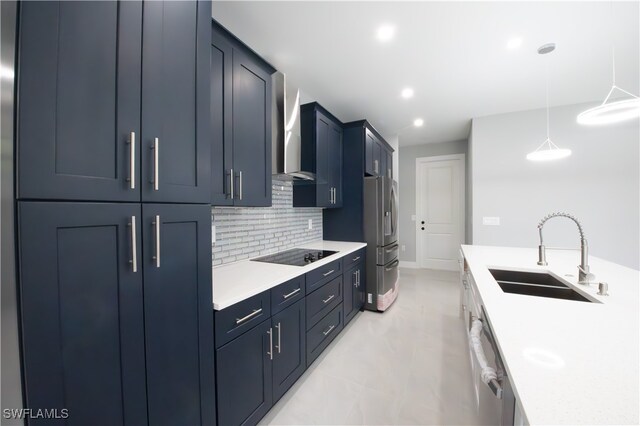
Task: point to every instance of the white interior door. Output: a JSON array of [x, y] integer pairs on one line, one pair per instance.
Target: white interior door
[[439, 211]]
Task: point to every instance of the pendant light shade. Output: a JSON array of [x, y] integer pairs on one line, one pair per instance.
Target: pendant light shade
[[611, 112], [548, 151], [614, 111]]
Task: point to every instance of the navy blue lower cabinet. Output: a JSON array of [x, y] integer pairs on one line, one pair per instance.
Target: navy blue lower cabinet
[[323, 333], [289, 358], [82, 311], [244, 370], [354, 286], [178, 313]]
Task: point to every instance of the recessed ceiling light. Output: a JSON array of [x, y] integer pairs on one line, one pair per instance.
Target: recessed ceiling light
[[418, 122], [385, 32], [514, 43], [407, 93]]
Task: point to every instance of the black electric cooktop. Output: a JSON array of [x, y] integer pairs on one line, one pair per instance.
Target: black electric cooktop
[[295, 256]]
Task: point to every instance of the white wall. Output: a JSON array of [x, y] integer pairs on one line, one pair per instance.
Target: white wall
[[598, 183]]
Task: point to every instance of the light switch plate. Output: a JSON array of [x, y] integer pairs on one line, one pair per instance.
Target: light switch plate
[[413, 217], [310, 224], [491, 221]]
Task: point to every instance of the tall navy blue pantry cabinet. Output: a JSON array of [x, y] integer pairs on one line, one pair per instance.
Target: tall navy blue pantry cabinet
[[115, 294]]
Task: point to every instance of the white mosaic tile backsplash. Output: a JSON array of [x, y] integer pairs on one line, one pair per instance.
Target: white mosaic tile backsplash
[[245, 232]]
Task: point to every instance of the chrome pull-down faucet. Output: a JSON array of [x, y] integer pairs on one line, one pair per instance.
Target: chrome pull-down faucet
[[584, 276]]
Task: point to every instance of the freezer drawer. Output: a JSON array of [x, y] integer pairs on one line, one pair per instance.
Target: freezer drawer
[[387, 254]]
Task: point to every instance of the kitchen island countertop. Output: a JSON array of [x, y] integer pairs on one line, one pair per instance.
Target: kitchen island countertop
[[569, 362]]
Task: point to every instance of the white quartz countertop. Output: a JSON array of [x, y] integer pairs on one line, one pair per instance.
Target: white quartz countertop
[[569, 362], [238, 281]]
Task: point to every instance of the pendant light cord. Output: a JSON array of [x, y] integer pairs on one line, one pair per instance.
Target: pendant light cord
[[613, 46], [547, 79]]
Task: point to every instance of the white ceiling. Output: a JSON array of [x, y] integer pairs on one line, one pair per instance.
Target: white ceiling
[[453, 54]]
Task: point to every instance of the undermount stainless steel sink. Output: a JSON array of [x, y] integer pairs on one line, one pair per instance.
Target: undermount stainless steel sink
[[538, 284]]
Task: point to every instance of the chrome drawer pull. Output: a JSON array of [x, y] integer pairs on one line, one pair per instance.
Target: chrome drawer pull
[[355, 259], [294, 292], [329, 330], [251, 315], [328, 299], [329, 273], [156, 224]]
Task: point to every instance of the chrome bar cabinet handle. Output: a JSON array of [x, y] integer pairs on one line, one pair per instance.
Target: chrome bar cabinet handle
[[270, 353], [328, 299], [132, 160], [279, 327], [355, 259], [329, 330], [134, 245], [329, 273], [251, 315], [286, 296], [156, 225], [240, 192], [231, 183], [155, 147]]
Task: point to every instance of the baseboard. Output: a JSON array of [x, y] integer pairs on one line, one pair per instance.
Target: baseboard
[[410, 265]]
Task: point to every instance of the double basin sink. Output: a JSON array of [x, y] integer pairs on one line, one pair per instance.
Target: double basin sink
[[535, 284]]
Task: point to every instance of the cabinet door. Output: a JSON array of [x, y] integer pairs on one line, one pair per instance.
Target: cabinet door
[[175, 144], [350, 280], [389, 169], [82, 311], [335, 163], [359, 297], [369, 143], [251, 132], [221, 123], [244, 372], [178, 313], [377, 158], [289, 357], [79, 100], [323, 178]]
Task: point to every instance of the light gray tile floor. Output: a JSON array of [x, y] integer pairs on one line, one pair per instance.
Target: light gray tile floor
[[408, 366]]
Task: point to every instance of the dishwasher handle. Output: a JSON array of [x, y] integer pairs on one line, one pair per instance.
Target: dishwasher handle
[[487, 374]]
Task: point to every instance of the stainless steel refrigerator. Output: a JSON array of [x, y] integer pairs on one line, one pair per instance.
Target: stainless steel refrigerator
[[381, 235]]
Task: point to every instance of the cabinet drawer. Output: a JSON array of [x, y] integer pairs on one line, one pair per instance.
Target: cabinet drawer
[[241, 317], [356, 257], [287, 294], [318, 277], [321, 301], [323, 333]]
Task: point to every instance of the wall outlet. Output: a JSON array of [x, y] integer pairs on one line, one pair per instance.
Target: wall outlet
[[491, 221], [404, 247], [213, 234], [413, 217], [310, 224]]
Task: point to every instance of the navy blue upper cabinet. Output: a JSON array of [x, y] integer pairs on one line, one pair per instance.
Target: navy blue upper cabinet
[[241, 107], [244, 375], [82, 311], [178, 313], [321, 135], [221, 123], [378, 153], [79, 100], [175, 142]]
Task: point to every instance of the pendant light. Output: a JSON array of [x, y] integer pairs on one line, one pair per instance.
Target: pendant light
[[615, 111], [548, 150]]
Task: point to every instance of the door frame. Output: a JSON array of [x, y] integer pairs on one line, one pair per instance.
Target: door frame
[[462, 218]]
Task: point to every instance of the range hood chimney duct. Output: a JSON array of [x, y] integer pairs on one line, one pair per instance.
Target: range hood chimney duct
[[286, 147]]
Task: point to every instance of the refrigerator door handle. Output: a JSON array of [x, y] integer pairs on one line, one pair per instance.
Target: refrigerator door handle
[[393, 265]]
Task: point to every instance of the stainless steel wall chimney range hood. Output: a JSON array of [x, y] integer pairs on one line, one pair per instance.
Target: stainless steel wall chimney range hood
[[286, 143]]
